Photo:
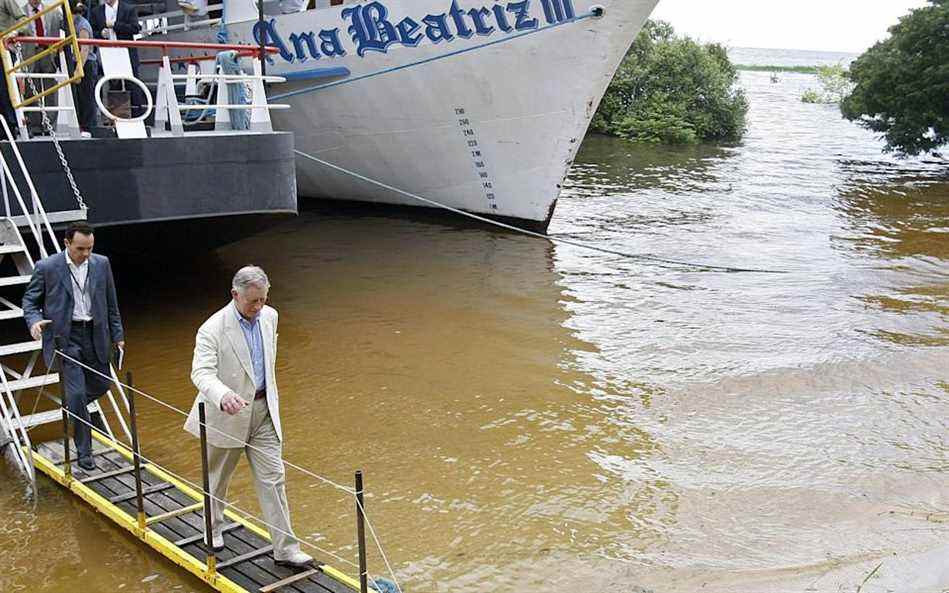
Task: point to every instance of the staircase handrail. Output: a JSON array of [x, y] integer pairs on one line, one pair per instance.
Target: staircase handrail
[[38, 208], [26, 461]]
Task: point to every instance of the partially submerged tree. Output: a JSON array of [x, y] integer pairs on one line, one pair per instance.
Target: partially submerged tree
[[902, 84], [673, 90], [835, 85]]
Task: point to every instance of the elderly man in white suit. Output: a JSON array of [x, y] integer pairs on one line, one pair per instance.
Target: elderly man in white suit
[[233, 369]]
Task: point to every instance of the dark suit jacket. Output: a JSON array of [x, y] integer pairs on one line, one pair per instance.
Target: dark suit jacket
[[126, 26], [50, 296]]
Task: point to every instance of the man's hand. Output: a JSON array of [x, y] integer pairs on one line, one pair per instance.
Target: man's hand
[[37, 330], [232, 404], [120, 345], [104, 33]]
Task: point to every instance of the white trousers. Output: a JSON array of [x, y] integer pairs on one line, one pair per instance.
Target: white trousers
[[269, 480]]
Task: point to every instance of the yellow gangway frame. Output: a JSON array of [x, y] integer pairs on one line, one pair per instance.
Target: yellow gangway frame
[[9, 68], [207, 572]]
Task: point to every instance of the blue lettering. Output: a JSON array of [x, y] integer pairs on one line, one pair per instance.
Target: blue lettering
[[501, 17], [407, 32], [458, 16], [331, 45], [266, 32], [553, 12], [436, 28], [370, 29], [477, 16], [298, 40], [558, 11], [522, 11], [358, 28]]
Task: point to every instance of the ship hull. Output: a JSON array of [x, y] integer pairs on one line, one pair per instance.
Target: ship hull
[[488, 123]]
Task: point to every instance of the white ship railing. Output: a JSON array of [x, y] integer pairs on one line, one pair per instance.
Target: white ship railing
[[116, 65], [168, 109]]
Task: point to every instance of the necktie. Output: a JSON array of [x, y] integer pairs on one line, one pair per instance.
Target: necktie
[[40, 30]]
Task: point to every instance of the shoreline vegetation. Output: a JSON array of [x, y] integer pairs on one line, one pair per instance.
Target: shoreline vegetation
[[673, 90], [899, 86]]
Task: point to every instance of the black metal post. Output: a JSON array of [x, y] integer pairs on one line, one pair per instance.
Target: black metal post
[[208, 537], [136, 454], [67, 464], [60, 343], [361, 535], [263, 37]]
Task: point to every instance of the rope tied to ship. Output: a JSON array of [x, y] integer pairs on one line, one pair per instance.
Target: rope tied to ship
[[383, 585], [594, 12], [637, 256]]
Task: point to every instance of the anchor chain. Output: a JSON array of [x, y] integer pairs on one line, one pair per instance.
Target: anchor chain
[[48, 125]]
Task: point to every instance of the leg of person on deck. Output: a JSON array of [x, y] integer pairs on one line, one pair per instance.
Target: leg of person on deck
[[221, 465], [83, 386], [270, 480]]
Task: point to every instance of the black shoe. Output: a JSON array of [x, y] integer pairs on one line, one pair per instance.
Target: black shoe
[[87, 463]]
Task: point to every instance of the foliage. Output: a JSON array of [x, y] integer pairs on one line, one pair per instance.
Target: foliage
[[673, 90], [835, 85], [812, 96], [902, 83]]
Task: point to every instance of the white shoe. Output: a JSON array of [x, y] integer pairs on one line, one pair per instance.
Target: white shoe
[[85, 135], [217, 542], [295, 560]]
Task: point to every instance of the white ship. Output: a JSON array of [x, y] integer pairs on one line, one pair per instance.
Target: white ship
[[475, 104]]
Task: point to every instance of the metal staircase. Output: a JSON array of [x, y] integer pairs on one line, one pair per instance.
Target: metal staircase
[[15, 380]]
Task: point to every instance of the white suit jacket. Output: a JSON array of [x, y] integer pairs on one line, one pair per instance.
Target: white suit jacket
[[222, 364]]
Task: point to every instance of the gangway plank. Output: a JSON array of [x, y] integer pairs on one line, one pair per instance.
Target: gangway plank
[[175, 523]]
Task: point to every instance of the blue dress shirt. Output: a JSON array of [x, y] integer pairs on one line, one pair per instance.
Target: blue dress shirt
[[255, 343]]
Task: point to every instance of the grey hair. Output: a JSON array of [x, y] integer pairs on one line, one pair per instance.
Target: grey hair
[[250, 276]]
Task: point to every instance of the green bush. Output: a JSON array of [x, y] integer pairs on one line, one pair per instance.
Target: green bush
[[835, 85], [673, 90], [812, 96], [902, 83]]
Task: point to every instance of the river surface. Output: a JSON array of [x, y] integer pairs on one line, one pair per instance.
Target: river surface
[[535, 418]]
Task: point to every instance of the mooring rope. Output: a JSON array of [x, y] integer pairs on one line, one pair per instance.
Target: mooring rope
[[320, 87], [376, 540], [553, 239]]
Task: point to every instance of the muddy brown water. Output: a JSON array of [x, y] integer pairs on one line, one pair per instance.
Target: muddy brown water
[[538, 418]]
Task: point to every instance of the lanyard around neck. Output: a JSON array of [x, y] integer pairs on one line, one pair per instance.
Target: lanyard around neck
[[83, 286]]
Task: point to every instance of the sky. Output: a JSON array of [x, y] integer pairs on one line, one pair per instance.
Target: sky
[[831, 25]]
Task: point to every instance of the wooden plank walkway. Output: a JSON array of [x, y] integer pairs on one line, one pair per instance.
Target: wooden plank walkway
[[246, 561]]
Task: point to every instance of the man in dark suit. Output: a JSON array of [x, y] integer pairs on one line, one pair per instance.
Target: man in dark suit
[[72, 296], [119, 20]]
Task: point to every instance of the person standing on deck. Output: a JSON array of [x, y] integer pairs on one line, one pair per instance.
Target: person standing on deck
[[47, 25], [84, 90], [233, 370], [71, 304], [117, 20], [10, 13]]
